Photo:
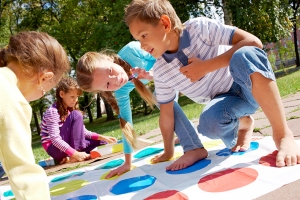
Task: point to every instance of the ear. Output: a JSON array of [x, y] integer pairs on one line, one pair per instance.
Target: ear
[[166, 22], [45, 76], [61, 94]]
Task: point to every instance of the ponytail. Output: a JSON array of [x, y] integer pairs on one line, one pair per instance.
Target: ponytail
[[126, 127]]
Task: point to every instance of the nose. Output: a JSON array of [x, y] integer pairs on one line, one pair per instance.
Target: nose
[[143, 46]]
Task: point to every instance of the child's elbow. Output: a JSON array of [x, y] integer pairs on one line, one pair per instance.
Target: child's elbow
[[256, 42]]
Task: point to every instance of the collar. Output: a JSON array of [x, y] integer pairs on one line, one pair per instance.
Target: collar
[[184, 42]]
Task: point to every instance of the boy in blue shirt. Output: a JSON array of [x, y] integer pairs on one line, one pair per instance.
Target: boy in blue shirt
[[212, 63]]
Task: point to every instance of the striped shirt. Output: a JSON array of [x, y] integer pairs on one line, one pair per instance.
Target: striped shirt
[[202, 38], [50, 133]]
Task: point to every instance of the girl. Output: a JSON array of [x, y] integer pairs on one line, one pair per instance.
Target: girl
[[30, 65], [63, 134], [98, 72]]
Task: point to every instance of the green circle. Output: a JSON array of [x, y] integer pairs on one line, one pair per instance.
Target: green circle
[[67, 187]]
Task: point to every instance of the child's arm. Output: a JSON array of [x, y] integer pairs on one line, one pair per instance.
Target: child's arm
[[166, 124], [198, 68]]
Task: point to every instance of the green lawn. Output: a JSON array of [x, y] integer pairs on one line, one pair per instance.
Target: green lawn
[[288, 84]]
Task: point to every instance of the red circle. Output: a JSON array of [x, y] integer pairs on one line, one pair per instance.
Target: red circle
[[269, 160], [228, 179], [168, 195]]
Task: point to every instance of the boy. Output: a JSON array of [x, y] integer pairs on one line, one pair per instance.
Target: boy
[[210, 63]]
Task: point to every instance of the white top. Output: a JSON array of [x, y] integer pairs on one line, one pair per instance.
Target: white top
[[202, 38]]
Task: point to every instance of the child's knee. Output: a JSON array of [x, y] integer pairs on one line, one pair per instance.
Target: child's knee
[[76, 115]]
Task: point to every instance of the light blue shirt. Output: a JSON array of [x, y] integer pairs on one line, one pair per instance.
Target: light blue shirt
[[136, 57]]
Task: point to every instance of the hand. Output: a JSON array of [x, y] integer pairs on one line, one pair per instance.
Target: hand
[[142, 73], [120, 170], [108, 139], [288, 152], [80, 156], [196, 69]]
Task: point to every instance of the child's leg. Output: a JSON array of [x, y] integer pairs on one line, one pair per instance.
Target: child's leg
[[261, 83], [227, 116], [72, 133], [92, 144]]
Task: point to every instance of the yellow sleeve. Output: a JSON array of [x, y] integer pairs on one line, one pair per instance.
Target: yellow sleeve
[[27, 179]]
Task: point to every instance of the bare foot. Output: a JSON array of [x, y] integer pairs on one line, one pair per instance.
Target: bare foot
[[244, 134], [189, 158], [176, 141], [64, 160], [160, 158]]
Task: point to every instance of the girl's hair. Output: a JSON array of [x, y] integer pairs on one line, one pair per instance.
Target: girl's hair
[[84, 71], [150, 11], [66, 84], [35, 52]]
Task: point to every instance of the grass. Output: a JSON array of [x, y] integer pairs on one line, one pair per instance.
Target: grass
[[288, 84]]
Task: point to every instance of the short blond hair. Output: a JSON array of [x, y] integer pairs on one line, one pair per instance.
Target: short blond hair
[[150, 11]]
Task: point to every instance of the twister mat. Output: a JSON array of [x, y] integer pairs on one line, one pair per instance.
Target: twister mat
[[223, 175]]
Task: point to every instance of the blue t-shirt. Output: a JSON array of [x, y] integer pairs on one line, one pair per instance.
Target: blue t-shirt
[[136, 57]]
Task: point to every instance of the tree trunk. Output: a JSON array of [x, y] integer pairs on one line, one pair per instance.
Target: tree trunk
[[99, 113], [295, 7], [227, 14], [88, 108], [36, 121], [109, 110]]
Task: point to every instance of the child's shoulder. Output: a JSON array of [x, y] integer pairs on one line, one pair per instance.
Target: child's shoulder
[[199, 21]]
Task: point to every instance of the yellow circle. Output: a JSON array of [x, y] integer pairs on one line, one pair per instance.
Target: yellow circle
[[67, 187]]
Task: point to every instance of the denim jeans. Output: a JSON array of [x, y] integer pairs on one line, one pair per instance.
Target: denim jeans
[[185, 129], [220, 117]]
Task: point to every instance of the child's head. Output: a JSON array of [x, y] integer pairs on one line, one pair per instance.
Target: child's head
[[39, 60], [67, 92], [154, 23], [99, 72], [104, 73]]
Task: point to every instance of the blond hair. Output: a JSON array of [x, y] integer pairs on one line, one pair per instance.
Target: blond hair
[[36, 51], [150, 11], [84, 73]]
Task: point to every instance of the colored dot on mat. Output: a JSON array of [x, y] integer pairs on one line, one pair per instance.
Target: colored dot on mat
[[269, 160], [84, 197], [228, 152], [196, 166], [168, 195], [228, 179], [8, 193], [67, 187], [132, 184], [148, 152], [211, 144], [114, 177], [111, 164], [66, 176]]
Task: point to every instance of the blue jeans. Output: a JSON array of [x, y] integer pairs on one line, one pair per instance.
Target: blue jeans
[[220, 117], [2, 172], [184, 128]]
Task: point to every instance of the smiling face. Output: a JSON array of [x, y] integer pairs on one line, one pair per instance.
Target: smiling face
[[156, 40], [108, 76]]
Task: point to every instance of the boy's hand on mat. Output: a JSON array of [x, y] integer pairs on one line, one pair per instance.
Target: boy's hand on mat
[[80, 156], [288, 152], [196, 69], [119, 171], [108, 139]]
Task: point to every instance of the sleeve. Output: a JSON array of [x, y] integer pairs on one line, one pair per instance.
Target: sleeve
[[52, 120], [213, 32], [27, 179], [89, 134], [136, 57]]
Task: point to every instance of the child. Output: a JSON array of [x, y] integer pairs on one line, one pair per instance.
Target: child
[[31, 64], [194, 59], [97, 71], [63, 134]]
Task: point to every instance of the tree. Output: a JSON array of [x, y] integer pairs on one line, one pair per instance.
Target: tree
[[295, 18]]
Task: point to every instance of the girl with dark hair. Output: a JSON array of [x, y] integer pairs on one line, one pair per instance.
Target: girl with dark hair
[[63, 134]]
